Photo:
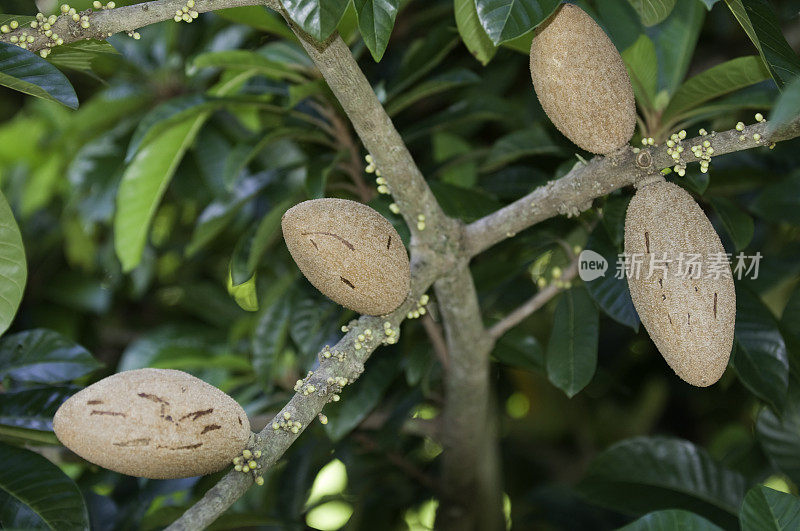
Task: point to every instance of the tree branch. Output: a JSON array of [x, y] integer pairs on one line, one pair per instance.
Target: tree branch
[[533, 304], [575, 191]]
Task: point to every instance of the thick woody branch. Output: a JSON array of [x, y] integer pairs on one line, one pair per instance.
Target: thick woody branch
[[575, 191]]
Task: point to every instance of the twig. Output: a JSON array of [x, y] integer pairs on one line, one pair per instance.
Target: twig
[[533, 304], [436, 337]]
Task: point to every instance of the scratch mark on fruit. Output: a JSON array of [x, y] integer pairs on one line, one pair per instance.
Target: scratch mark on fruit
[[153, 398], [314, 244], [696, 288], [347, 282], [389, 243], [168, 418], [688, 319], [345, 242], [240, 420], [663, 297], [210, 427], [93, 402], [670, 318], [661, 282], [133, 442], [647, 241], [197, 414], [112, 413], [186, 447], [715, 305]]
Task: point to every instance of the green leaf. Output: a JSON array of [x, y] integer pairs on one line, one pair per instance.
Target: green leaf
[[609, 292], [13, 267], [780, 202], [760, 357], [455, 78], [376, 20], [520, 349], [313, 322], [787, 108], [572, 349], [422, 56], [640, 60], [249, 61], [258, 17], [671, 520], [738, 223], [531, 141], [80, 55], [675, 41], [504, 20], [469, 27], [761, 25], [266, 234], [270, 334], [614, 218], [652, 11], [36, 493], [317, 172], [780, 435], [360, 398], [143, 184], [644, 474], [43, 356], [318, 18], [245, 293], [467, 204], [714, 82], [27, 72], [33, 408], [765, 509]]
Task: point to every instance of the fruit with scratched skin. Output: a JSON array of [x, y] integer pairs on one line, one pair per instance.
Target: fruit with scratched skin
[[350, 253], [688, 309], [153, 423], [581, 81]]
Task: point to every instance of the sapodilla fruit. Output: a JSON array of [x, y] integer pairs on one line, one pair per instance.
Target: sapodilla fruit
[[688, 310], [581, 81], [350, 253], [153, 423]]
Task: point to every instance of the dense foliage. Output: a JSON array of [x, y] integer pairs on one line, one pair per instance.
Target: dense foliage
[[150, 218]]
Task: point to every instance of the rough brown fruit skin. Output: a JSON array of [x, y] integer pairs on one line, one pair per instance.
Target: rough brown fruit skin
[[153, 423], [349, 252], [581, 81], [690, 320]]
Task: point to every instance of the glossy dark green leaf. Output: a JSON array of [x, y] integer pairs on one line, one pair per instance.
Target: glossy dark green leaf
[[376, 21], [675, 39], [80, 55], [780, 202], [779, 435], [760, 23], [717, 81], [790, 319], [258, 17], [27, 72], [534, 140], [520, 349], [609, 292], [37, 493], [652, 11], [360, 398], [455, 78], [504, 20], [249, 61], [313, 322], [472, 33], [787, 108], [642, 65], [614, 217], [423, 55], [33, 408], [738, 223], [13, 267], [317, 173], [467, 204], [760, 357], [644, 474], [572, 349], [43, 356], [272, 331], [169, 342], [766, 509], [318, 18], [143, 184], [266, 234], [671, 520]]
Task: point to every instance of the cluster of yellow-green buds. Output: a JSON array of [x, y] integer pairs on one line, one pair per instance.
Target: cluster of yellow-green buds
[[246, 463], [394, 208], [287, 424], [322, 419], [421, 310], [362, 339], [328, 354], [383, 187], [704, 151], [187, 13], [675, 149], [420, 222], [99, 5], [648, 141], [756, 136], [304, 386], [390, 333]]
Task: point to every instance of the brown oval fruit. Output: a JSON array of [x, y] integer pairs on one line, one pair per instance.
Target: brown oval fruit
[[690, 319], [153, 423], [581, 81], [349, 252]]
